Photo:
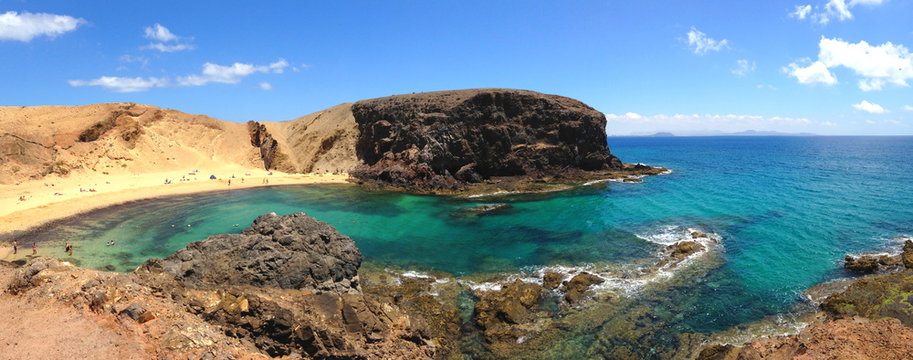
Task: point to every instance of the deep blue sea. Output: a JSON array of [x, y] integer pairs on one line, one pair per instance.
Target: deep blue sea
[[787, 209]]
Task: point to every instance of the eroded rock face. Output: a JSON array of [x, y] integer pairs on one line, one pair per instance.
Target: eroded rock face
[[292, 252], [260, 138], [440, 140], [907, 255]]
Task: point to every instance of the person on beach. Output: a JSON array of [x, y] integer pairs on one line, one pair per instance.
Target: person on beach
[[15, 247], [68, 248], [34, 249], [229, 182]]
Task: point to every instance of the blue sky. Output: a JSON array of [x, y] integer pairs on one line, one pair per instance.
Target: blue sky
[[822, 66]]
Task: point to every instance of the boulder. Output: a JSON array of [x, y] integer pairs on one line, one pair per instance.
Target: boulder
[[551, 280], [293, 251], [575, 288], [513, 304]]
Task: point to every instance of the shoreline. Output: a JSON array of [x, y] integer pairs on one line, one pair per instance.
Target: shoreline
[[41, 206]]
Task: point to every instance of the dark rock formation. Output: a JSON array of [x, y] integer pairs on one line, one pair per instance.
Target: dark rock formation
[[551, 280], [293, 252], [861, 264], [441, 140], [575, 288], [269, 147]]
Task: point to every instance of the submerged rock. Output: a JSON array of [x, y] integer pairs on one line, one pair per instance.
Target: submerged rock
[[498, 312], [294, 251], [487, 209]]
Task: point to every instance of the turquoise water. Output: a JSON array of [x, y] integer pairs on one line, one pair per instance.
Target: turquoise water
[[787, 209]]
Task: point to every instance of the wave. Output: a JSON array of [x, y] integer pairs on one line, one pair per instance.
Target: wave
[[624, 279]]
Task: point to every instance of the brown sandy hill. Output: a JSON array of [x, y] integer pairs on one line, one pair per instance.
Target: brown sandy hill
[[126, 138], [115, 138]]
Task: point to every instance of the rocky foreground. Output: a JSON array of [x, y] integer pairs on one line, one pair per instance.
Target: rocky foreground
[[286, 286]]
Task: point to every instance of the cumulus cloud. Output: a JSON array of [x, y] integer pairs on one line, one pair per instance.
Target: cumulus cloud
[[744, 67], [814, 72], [122, 84], [161, 34], [231, 74], [870, 107], [878, 65], [831, 10], [700, 43], [266, 86], [27, 26], [908, 108], [801, 12], [704, 123]]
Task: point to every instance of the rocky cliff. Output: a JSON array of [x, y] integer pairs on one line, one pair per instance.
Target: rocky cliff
[[442, 140]]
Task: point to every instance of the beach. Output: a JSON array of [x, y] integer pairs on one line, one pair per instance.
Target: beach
[[33, 203]]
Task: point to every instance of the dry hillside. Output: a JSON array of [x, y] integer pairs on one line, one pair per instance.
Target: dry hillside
[[125, 138]]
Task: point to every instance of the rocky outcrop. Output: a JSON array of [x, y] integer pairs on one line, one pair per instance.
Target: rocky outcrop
[[443, 140], [575, 288], [498, 312], [291, 252], [906, 256], [270, 154], [286, 286]]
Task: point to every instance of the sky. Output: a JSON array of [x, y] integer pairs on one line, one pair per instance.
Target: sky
[[841, 67]]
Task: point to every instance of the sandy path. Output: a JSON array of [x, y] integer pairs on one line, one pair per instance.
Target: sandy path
[[41, 205], [47, 330]]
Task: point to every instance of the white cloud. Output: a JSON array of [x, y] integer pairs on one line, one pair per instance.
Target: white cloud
[[908, 108], [870, 107], [231, 74], [266, 86], [27, 26], [163, 35], [705, 123], [160, 33], [744, 67], [122, 84], [832, 9], [877, 65], [701, 44], [801, 12], [814, 72], [168, 48]]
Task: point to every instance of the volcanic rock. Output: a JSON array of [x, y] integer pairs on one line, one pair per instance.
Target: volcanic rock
[[442, 140], [575, 288], [293, 252], [861, 264]]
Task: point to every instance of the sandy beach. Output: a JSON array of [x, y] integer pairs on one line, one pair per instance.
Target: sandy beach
[[33, 203]]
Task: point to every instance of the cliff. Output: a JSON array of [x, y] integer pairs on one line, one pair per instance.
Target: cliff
[[442, 140]]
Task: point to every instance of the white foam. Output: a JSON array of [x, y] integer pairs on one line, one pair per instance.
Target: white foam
[[626, 279], [415, 274], [499, 192]]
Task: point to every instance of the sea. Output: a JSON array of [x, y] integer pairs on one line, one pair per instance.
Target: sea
[[784, 212]]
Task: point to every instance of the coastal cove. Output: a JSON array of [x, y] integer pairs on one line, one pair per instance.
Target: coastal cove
[[786, 211]]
